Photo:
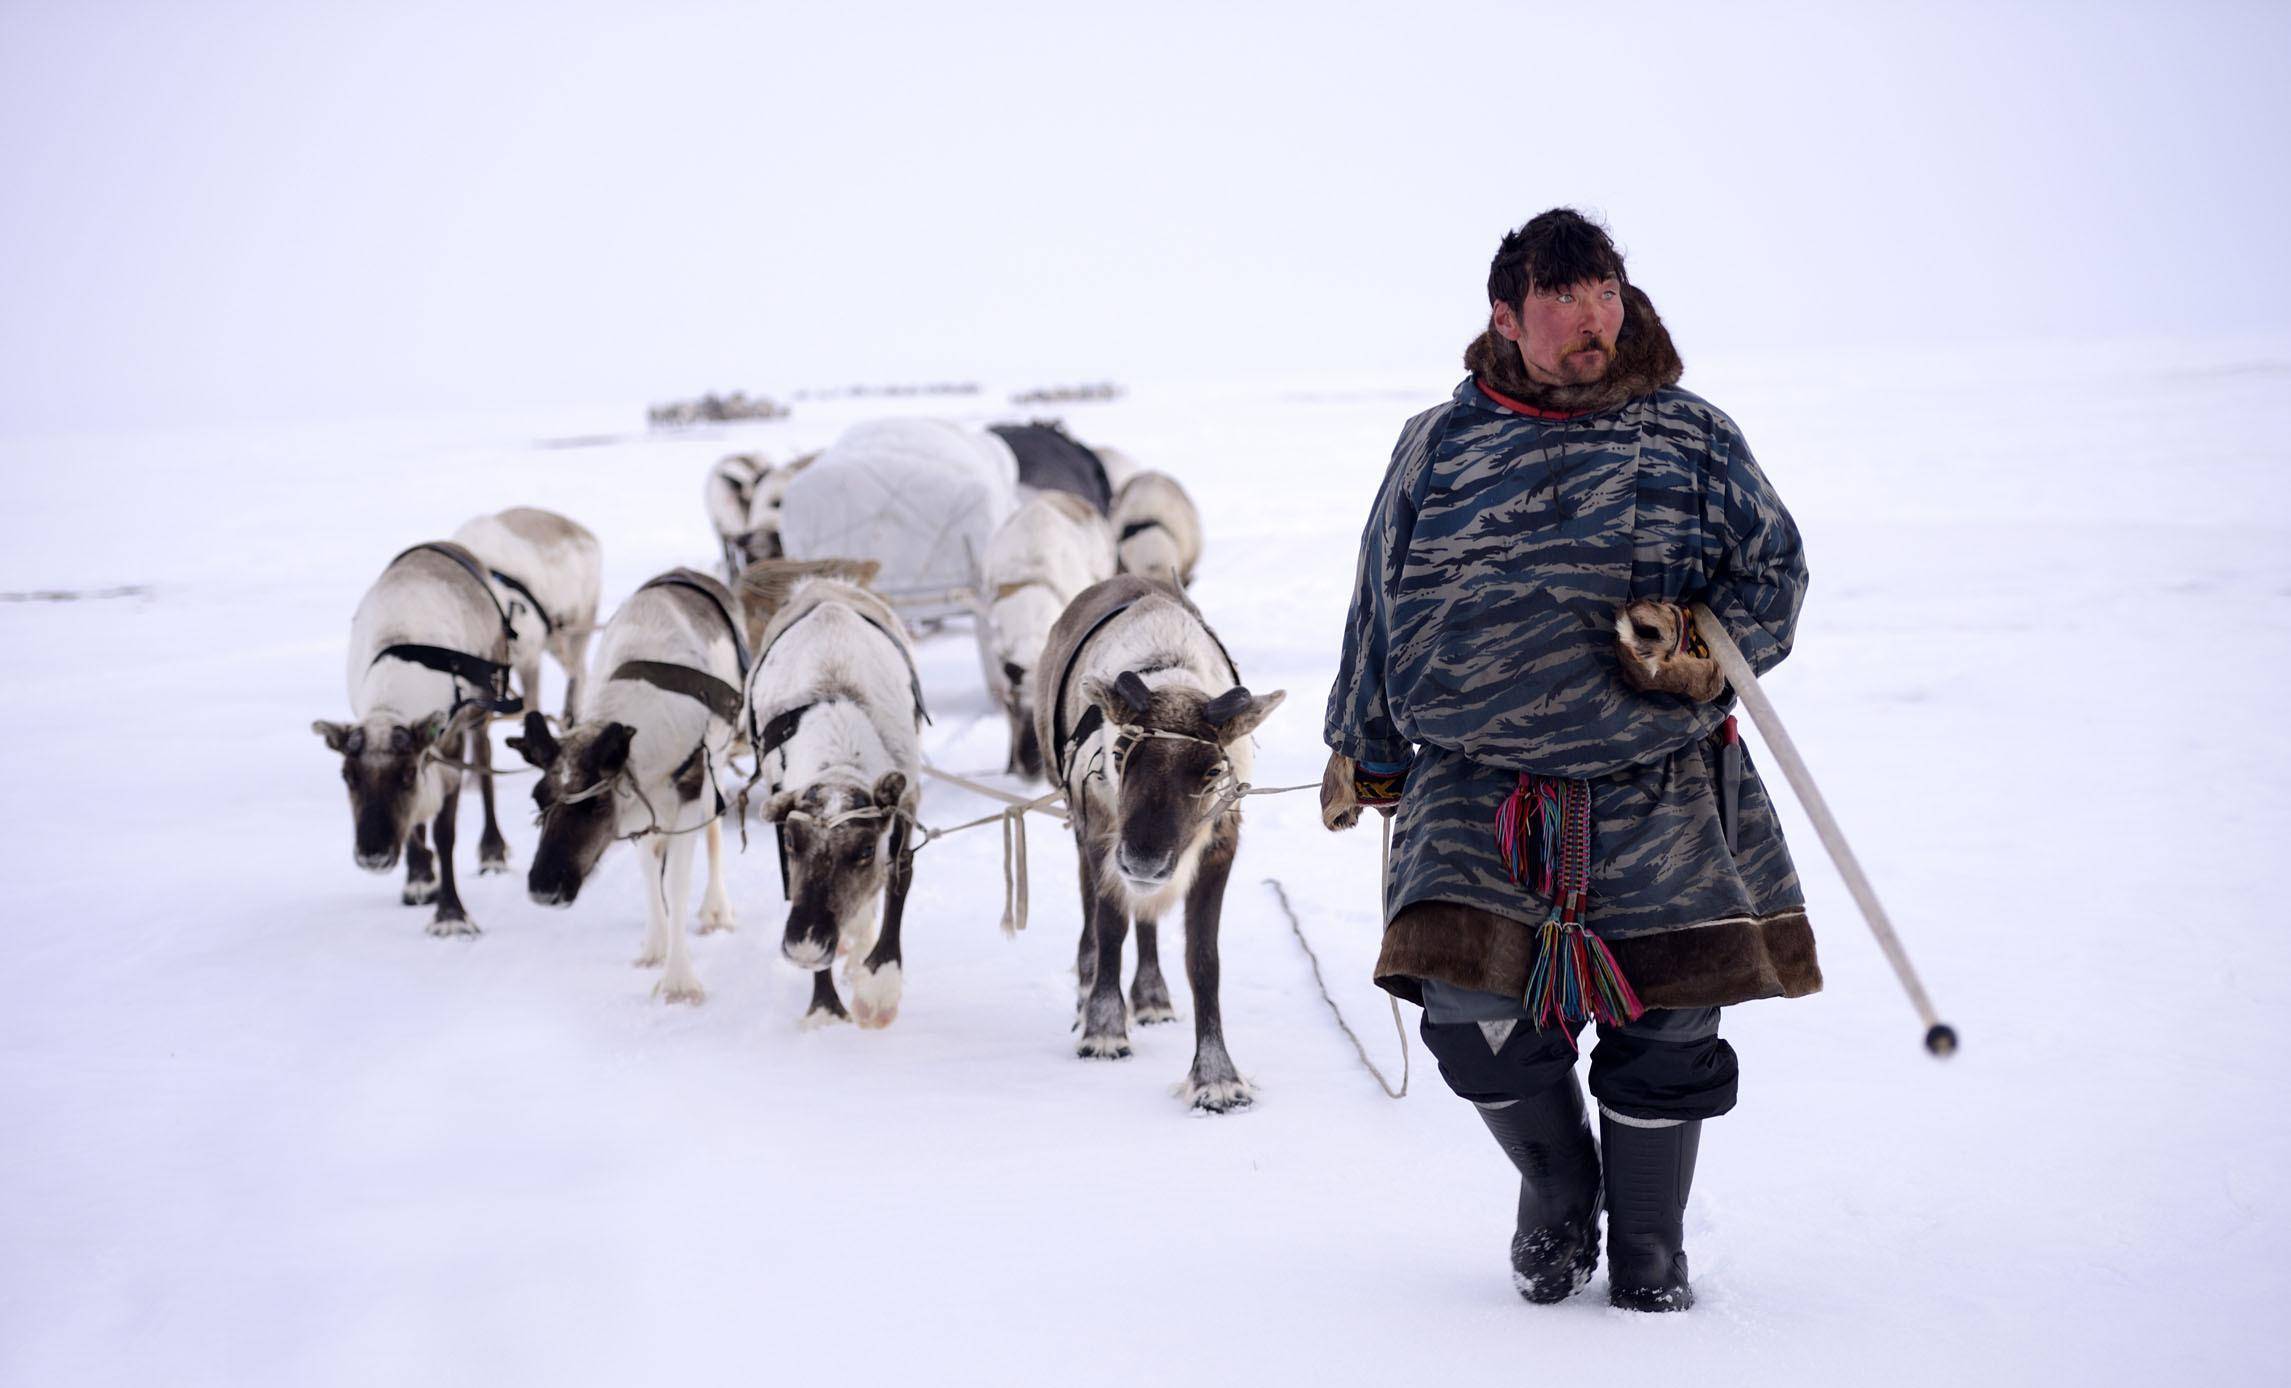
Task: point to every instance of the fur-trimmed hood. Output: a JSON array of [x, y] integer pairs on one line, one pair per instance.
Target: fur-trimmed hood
[[1645, 362]]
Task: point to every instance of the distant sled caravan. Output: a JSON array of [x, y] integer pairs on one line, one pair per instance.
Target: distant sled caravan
[[1157, 531], [834, 712], [547, 572], [428, 666], [1147, 726], [1038, 561], [920, 497], [643, 762]]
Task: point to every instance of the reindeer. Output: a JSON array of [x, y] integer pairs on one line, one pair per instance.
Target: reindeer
[[835, 714], [429, 653], [1157, 531], [545, 572], [642, 763], [1049, 550], [730, 490], [744, 495], [1146, 725]]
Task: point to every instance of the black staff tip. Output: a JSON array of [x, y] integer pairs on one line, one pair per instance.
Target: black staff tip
[[1941, 1040]]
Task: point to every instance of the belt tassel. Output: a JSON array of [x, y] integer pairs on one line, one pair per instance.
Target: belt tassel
[[1543, 834]]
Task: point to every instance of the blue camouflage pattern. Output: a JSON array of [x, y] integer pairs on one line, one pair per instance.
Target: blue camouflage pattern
[[1481, 644]]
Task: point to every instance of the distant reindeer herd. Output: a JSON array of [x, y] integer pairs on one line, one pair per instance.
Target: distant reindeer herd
[[1116, 690]]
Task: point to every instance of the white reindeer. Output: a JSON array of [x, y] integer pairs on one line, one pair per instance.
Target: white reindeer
[[642, 762], [1052, 548], [428, 662], [1157, 530], [1147, 725], [835, 714], [730, 490]]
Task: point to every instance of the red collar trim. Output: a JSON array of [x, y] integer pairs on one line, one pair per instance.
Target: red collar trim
[[1521, 406]]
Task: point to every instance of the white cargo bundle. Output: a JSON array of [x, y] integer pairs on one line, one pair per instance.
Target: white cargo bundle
[[918, 496]]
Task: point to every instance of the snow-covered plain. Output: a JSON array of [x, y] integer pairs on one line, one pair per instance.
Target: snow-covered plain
[[257, 1127]]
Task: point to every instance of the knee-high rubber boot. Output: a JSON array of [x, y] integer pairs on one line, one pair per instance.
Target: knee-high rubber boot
[[1555, 1245], [1649, 1172]]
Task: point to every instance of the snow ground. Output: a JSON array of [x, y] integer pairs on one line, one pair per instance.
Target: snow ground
[[259, 1128]]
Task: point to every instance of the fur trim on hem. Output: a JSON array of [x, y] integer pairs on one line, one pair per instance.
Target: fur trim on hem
[[1716, 964]]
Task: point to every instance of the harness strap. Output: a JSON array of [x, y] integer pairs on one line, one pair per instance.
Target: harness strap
[[914, 676], [548, 623], [475, 570], [489, 675], [678, 578], [719, 697], [1064, 742]]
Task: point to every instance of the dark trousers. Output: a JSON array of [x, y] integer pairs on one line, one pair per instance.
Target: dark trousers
[[1667, 1065]]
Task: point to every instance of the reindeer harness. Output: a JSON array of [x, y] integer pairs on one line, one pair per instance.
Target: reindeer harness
[[491, 676]]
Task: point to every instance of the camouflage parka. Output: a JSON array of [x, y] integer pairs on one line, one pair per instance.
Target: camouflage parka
[[1481, 644]]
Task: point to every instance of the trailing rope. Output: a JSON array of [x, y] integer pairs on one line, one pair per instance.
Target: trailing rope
[[1321, 982]]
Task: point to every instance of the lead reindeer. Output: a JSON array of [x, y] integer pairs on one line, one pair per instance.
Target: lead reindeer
[[428, 666], [835, 714], [641, 763], [1147, 726]]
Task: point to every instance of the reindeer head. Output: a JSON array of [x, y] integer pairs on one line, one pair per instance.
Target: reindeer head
[[1172, 774], [382, 768], [832, 848], [578, 800]]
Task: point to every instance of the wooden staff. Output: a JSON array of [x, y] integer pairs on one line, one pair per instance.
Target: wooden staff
[[1940, 1037]]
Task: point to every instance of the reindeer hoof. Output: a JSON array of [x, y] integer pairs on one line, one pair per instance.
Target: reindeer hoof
[[420, 893], [821, 1017], [715, 918], [1218, 1096], [684, 990], [1152, 1008], [650, 959], [875, 995], [1103, 1048], [446, 927]]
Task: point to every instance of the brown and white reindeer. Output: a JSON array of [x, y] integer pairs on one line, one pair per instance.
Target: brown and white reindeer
[[1157, 530], [835, 715], [641, 764], [547, 572], [428, 667], [1036, 562], [1147, 726]]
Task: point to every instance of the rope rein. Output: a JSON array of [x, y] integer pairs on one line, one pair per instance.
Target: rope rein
[[1321, 982]]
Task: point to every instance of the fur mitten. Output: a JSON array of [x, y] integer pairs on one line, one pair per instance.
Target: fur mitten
[[1346, 790], [1661, 652], [1340, 808]]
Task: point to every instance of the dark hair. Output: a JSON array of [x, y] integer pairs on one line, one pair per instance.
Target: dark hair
[[1554, 250]]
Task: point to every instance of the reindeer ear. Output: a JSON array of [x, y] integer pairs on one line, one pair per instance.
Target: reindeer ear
[[538, 745], [1249, 712], [610, 750], [890, 789], [340, 735], [777, 806], [1225, 707], [1133, 693]]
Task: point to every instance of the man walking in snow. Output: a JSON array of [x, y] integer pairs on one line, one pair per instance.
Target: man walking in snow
[[1578, 835]]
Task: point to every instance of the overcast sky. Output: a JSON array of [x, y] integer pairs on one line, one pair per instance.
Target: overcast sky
[[219, 211]]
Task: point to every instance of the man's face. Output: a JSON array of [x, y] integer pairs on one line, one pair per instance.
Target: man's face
[[1566, 336]]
